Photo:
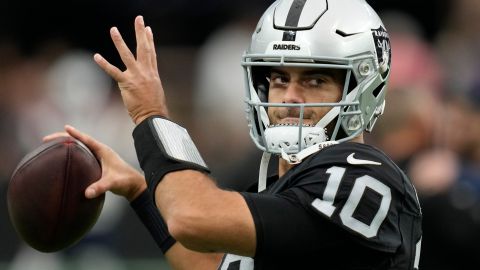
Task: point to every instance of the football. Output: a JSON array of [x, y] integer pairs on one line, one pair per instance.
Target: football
[[45, 196]]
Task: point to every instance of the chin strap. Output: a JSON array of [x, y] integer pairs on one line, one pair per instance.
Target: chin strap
[[262, 175], [291, 159], [300, 156]]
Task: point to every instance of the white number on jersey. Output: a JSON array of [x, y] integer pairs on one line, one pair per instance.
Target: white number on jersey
[[325, 204]]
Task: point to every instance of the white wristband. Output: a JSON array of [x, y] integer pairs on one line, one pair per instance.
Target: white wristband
[[177, 142]]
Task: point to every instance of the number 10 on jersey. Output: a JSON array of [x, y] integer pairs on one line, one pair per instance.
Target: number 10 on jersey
[[325, 204]]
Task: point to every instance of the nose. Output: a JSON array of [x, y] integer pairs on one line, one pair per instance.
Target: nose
[[293, 94]]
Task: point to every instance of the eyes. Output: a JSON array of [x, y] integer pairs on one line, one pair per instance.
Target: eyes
[[280, 80]]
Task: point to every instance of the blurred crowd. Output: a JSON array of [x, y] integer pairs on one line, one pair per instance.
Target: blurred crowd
[[431, 125]]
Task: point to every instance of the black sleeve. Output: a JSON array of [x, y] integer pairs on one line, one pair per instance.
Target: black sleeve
[[284, 226]]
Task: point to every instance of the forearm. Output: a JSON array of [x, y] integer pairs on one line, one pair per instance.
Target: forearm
[[185, 193], [200, 215], [177, 255], [185, 200], [203, 217]]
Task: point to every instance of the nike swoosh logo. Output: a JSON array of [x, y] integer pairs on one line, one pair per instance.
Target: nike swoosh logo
[[343, 34], [352, 160]]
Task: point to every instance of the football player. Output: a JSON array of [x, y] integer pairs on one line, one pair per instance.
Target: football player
[[316, 75]]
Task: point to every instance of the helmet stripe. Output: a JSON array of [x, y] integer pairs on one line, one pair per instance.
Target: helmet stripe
[[294, 13], [293, 18]]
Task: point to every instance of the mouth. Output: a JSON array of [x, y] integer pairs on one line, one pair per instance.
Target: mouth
[[294, 121], [290, 125]]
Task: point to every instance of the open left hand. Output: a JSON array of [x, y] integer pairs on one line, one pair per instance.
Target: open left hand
[[140, 84]]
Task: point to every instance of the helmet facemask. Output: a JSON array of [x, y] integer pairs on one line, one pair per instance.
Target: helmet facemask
[[343, 122]]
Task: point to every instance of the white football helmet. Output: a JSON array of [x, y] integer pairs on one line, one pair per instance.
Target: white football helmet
[[334, 34]]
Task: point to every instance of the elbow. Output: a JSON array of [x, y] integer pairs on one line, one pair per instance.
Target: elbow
[[179, 227], [186, 229]]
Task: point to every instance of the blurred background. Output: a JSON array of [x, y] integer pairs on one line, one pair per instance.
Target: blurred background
[[431, 126]]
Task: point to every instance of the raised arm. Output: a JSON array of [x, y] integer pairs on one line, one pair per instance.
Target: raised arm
[[201, 216]]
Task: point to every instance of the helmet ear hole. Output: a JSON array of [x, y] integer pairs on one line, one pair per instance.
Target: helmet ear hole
[[331, 127], [260, 82], [377, 90], [352, 83], [262, 92]]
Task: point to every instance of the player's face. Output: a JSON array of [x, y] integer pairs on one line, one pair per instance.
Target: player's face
[[302, 85]]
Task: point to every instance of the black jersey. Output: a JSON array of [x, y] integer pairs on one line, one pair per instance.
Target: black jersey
[[346, 207]]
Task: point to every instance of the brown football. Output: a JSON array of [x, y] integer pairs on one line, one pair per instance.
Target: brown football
[[45, 196]]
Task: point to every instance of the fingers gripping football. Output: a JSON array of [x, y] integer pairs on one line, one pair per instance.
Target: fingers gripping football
[[140, 84], [117, 175]]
